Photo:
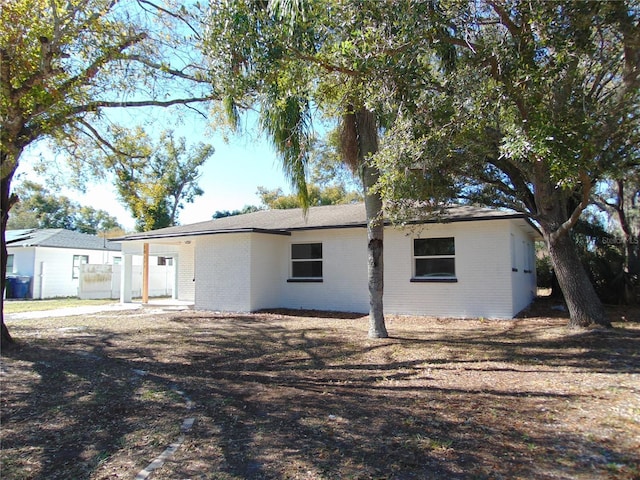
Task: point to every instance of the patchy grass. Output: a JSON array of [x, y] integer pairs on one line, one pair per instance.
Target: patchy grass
[[286, 395], [21, 306]]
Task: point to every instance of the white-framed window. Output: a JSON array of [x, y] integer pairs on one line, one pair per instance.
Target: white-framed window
[[10, 263], [117, 260], [77, 261], [434, 259], [514, 254], [306, 262]]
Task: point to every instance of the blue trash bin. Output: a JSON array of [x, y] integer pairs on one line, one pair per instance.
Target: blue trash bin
[[21, 287], [9, 285]]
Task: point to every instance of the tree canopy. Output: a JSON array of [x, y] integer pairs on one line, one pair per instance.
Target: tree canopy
[[154, 179], [293, 61], [505, 103], [38, 207], [543, 104], [62, 64]]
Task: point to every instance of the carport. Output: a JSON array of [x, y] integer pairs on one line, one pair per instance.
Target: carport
[[160, 249]]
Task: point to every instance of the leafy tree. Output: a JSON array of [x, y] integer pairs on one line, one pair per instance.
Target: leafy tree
[[330, 183], [62, 64], [330, 180], [90, 220], [542, 105], [291, 59], [327, 169], [620, 200], [152, 181], [330, 195], [37, 207], [242, 211], [603, 260]]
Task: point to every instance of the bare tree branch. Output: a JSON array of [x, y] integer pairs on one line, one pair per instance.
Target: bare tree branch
[[166, 68], [171, 14]]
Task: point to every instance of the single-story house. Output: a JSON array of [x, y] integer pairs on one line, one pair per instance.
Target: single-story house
[[48, 263], [472, 262], [50, 259]]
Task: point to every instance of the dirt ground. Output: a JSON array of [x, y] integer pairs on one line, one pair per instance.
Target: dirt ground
[[305, 395]]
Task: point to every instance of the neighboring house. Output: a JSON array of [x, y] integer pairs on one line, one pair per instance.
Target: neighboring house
[[52, 259], [65, 263], [478, 262]]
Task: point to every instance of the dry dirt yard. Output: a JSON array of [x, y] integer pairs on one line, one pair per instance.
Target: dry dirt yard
[[305, 395]]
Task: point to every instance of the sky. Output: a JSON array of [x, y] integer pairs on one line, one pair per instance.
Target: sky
[[230, 177]]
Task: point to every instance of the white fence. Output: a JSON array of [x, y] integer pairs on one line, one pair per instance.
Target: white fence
[[103, 281]]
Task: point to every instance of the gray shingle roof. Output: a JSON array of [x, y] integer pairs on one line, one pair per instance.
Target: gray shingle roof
[[59, 238], [330, 216]]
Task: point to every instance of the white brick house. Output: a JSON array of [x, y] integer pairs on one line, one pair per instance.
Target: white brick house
[[478, 262]]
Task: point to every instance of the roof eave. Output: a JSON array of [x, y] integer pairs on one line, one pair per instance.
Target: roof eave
[[199, 233], [287, 231]]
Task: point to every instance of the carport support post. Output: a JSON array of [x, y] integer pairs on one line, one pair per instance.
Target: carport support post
[[145, 274], [174, 295], [125, 278]]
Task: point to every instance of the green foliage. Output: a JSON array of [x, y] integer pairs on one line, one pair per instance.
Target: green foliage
[[63, 63], [602, 253], [293, 61], [39, 208], [544, 272], [232, 213], [331, 183], [603, 257], [152, 180], [541, 105], [317, 196]]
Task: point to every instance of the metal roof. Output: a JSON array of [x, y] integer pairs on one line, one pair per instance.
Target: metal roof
[[59, 238], [324, 217]]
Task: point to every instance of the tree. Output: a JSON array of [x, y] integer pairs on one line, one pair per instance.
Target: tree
[[291, 59], [242, 211], [330, 181], [330, 195], [153, 181], [62, 64], [620, 200], [37, 207], [543, 104], [95, 222]]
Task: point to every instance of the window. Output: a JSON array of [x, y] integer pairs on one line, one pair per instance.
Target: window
[[117, 260], [10, 263], [306, 262], [165, 261], [77, 261], [514, 254], [434, 260]]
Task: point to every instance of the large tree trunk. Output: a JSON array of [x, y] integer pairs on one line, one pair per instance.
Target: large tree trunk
[[367, 134], [7, 201], [558, 212], [375, 244], [585, 308]]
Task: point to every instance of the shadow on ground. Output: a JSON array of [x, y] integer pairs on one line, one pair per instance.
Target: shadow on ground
[[284, 396]]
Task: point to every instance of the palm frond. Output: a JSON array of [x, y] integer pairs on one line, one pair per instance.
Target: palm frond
[[287, 123]]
